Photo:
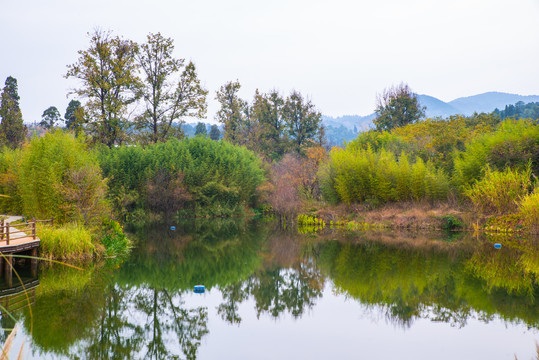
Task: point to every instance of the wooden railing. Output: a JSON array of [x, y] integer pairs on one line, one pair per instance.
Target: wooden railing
[[6, 232]]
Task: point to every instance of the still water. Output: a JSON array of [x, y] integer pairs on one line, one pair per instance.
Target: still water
[[277, 294]]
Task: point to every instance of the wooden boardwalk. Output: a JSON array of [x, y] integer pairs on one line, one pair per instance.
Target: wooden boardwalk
[[17, 239]]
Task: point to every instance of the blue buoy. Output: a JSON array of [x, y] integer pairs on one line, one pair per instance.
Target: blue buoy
[[497, 246], [173, 228], [199, 288]]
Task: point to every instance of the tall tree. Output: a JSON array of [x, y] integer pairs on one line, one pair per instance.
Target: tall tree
[[302, 121], [12, 129], [267, 112], [50, 118], [74, 116], [232, 111], [215, 134], [108, 73], [397, 106], [171, 90], [201, 129]]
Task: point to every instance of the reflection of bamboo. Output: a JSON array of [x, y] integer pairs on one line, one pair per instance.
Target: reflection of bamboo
[[20, 357], [7, 344]]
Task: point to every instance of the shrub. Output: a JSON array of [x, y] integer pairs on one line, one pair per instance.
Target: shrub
[[529, 210], [361, 175], [498, 192], [513, 144], [58, 176], [10, 201], [114, 239], [193, 174]]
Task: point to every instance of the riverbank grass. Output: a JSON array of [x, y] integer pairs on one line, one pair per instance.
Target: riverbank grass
[[69, 242]]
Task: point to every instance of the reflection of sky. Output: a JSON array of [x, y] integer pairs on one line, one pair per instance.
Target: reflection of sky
[[338, 328]]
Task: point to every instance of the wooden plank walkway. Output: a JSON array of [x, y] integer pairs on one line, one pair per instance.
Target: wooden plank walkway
[[16, 239], [19, 237]]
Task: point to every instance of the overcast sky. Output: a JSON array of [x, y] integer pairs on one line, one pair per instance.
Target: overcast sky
[[339, 53]]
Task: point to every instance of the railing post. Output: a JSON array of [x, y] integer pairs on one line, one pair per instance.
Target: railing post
[[7, 233], [52, 221], [34, 228], [2, 231]]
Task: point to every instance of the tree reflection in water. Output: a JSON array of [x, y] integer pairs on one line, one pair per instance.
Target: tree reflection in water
[[138, 310]]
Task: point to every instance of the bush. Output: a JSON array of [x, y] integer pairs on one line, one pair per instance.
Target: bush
[[58, 176], [499, 192], [10, 201], [513, 144], [70, 242], [191, 174], [114, 239], [529, 210], [361, 175]]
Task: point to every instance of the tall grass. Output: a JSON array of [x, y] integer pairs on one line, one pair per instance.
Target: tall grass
[[499, 192], [70, 242]]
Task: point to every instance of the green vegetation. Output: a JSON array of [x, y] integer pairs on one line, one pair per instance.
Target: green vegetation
[[397, 106], [11, 124], [514, 143], [498, 192], [195, 176], [519, 111], [473, 160], [380, 176], [57, 176], [72, 241]]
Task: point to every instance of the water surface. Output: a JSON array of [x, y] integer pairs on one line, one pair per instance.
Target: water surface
[[274, 294]]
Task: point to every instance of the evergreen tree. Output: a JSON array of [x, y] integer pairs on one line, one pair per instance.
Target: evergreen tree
[[215, 134], [12, 129], [74, 116], [302, 121], [397, 106], [50, 117], [201, 129]]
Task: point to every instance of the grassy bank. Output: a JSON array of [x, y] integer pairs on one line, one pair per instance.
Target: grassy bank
[[74, 241]]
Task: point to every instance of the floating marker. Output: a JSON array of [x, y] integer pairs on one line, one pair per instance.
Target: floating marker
[[199, 288], [173, 228], [497, 246]]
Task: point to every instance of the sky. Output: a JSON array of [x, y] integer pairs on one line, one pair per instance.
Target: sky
[[338, 53]]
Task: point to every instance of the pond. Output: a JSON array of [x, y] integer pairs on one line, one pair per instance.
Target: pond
[[279, 294]]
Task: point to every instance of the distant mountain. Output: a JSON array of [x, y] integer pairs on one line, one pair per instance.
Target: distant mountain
[[489, 101], [436, 107], [338, 128], [349, 121]]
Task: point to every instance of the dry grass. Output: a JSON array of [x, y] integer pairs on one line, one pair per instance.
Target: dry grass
[[404, 215]]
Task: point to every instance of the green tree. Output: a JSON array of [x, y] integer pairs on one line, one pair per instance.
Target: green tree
[[108, 73], [74, 116], [302, 121], [201, 129], [171, 90], [232, 111], [12, 129], [267, 111], [397, 106], [50, 117], [215, 134]]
